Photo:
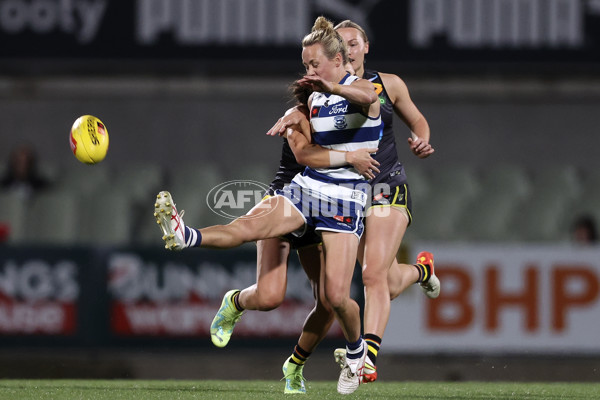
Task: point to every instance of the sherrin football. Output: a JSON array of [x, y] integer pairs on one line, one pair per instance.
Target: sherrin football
[[89, 139]]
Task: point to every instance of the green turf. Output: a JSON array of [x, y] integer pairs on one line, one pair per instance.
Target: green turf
[[260, 390]]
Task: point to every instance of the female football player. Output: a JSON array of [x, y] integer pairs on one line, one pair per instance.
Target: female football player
[[393, 96], [389, 215], [330, 198]]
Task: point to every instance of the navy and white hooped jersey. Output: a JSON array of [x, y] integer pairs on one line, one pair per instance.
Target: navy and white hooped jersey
[[338, 124]]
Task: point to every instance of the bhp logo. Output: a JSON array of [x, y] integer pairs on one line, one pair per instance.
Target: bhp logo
[[469, 301]]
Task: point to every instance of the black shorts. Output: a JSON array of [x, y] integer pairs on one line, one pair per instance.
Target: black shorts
[[309, 238], [390, 189]]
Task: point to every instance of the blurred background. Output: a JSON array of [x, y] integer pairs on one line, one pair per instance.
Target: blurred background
[[187, 89]]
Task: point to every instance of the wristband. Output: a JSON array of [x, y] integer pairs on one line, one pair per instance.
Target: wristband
[[337, 158]]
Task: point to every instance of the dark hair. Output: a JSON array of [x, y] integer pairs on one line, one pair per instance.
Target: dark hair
[[299, 93]]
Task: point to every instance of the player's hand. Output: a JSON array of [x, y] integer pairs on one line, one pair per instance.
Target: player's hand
[[362, 161], [420, 147], [290, 119], [316, 83]]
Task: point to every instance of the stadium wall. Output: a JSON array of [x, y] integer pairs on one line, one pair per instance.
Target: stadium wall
[[505, 313], [496, 299]]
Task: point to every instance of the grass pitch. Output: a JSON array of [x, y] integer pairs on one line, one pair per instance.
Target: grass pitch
[[261, 390]]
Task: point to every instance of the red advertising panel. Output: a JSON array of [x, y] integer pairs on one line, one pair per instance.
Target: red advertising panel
[[168, 295], [38, 297]]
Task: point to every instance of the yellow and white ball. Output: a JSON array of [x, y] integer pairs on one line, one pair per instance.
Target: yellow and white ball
[[89, 139]]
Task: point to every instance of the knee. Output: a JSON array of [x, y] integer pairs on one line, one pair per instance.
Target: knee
[[322, 304], [373, 277], [335, 299], [269, 298]]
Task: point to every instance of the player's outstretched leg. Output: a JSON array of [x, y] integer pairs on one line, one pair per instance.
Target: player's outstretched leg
[[428, 281], [228, 315], [294, 380], [351, 374]]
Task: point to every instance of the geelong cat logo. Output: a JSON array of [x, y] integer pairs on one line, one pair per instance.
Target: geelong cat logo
[[340, 122]]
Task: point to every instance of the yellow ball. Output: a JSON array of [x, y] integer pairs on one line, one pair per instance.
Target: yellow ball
[[89, 139]]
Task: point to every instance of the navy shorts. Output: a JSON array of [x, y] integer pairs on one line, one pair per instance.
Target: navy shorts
[[332, 215], [309, 238]]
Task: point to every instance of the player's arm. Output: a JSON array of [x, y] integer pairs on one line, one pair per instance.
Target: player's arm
[[410, 114], [307, 153], [360, 92], [292, 116]]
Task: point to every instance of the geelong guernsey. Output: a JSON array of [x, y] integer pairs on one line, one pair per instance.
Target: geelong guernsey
[[339, 125]]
